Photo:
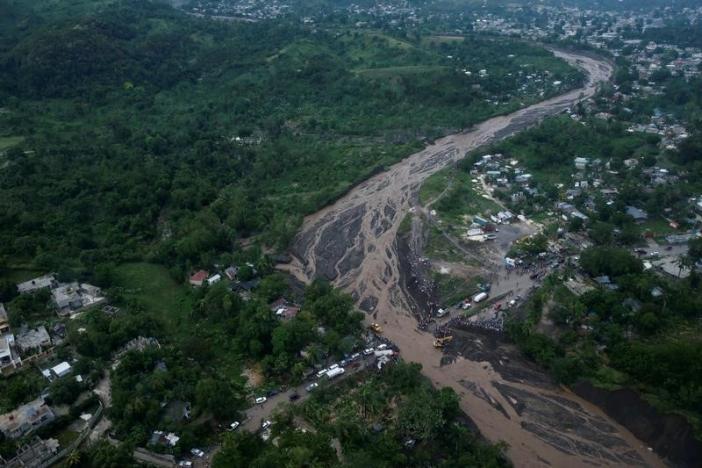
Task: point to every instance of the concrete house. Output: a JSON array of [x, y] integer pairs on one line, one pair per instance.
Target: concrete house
[[231, 273], [25, 419], [639, 215], [581, 163], [67, 297], [71, 297], [33, 340], [9, 360], [4, 321], [37, 284]]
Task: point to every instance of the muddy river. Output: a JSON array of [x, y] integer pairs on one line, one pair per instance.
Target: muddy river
[[353, 243]]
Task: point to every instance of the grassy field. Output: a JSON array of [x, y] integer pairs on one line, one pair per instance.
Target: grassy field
[[458, 198], [608, 378], [452, 289], [658, 226], [66, 437], [442, 39], [9, 142], [155, 290], [433, 186], [18, 274], [439, 248], [385, 72], [171, 304]]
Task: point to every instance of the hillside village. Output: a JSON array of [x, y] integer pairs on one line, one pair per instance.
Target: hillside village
[[71, 397]]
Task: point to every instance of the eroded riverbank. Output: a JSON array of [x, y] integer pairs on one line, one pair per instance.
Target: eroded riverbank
[[354, 244]]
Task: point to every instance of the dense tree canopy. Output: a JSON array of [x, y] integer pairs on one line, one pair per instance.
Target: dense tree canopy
[[142, 131]]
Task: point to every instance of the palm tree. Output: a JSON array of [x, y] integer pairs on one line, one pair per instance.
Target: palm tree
[[683, 261], [74, 458]]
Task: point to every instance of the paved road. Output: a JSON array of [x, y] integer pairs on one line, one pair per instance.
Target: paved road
[[255, 415], [259, 413]]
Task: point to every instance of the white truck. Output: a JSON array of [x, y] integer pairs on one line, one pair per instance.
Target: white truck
[[384, 352], [337, 371], [480, 297]]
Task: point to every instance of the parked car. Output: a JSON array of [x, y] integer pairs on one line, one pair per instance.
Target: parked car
[[355, 356], [368, 351], [234, 425], [294, 397], [266, 424], [185, 463], [311, 386], [261, 400], [197, 452], [273, 392]]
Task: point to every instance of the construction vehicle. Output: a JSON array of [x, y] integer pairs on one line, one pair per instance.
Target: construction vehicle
[[376, 328], [440, 342]]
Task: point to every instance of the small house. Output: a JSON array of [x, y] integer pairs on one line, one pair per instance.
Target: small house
[[523, 178], [37, 284], [9, 360], [25, 419], [480, 221], [581, 163], [639, 215], [4, 321], [231, 273], [61, 370], [199, 277], [33, 340]]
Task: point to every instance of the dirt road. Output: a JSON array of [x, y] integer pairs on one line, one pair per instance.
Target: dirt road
[[354, 244]]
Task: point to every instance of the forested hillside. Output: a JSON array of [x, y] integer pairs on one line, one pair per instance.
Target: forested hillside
[[130, 130]]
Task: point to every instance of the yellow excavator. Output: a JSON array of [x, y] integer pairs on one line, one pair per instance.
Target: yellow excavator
[[376, 328], [440, 342]]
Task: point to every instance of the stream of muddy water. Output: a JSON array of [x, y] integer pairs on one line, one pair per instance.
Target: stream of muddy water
[[353, 243]]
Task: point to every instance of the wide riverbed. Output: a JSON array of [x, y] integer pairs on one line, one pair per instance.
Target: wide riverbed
[[353, 243]]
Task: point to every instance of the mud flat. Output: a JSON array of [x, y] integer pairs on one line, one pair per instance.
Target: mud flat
[[354, 244], [668, 434]]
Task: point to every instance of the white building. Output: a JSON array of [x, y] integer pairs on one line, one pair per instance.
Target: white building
[[214, 279], [9, 360], [36, 284], [581, 163], [61, 370]]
